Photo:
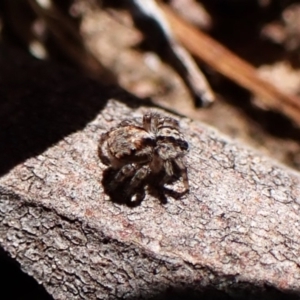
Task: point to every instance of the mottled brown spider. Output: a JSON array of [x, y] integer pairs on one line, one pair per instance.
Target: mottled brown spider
[[138, 149]]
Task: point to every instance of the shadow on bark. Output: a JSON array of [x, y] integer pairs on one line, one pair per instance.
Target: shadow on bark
[[152, 183], [15, 284], [25, 288]]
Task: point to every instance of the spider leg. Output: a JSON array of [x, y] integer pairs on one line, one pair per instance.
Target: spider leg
[[170, 171], [169, 168], [150, 122], [123, 173], [147, 122], [183, 170], [139, 176]]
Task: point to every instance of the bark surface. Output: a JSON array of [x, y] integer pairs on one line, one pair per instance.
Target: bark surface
[[237, 228]]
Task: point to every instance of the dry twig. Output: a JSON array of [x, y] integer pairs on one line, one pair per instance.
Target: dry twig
[[195, 79], [233, 67]]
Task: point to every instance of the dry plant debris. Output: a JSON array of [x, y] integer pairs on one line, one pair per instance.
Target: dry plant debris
[[227, 63]]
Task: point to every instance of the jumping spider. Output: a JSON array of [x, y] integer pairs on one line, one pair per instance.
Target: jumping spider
[[138, 150]]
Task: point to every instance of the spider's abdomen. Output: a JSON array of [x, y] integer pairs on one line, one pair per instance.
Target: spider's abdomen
[[127, 144]]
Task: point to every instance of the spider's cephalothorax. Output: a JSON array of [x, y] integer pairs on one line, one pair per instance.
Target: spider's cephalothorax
[[138, 150]]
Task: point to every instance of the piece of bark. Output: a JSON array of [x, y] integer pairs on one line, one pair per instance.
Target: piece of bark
[[238, 228]]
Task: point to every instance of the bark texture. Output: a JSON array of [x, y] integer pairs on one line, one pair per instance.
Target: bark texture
[[238, 226]]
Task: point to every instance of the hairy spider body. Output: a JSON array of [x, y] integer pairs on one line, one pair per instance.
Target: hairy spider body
[[126, 144], [136, 150]]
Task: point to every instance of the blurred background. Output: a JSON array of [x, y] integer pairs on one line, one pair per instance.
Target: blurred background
[[102, 39], [111, 42]]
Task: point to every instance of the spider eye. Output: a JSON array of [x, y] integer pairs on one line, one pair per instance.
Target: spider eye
[[183, 145]]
